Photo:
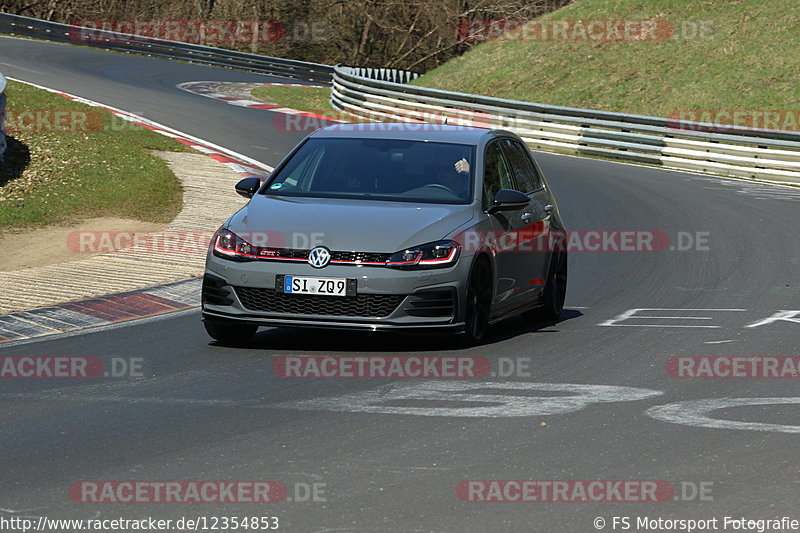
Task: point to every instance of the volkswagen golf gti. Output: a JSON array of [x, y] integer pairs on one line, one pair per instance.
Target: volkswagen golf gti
[[406, 227]]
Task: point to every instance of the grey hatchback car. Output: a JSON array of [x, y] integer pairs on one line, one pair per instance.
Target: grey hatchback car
[[390, 227]]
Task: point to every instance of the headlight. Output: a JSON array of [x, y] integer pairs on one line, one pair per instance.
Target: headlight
[[433, 255], [228, 245]]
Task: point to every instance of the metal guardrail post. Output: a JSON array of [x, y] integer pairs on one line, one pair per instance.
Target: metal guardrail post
[[2, 116]]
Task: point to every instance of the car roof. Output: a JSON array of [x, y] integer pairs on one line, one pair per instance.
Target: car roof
[[410, 131]]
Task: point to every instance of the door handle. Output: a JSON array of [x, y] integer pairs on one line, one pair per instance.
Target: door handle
[[548, 208], [525, 217]]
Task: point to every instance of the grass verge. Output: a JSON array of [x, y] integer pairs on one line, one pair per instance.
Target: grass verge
[[67, 162], [314, 99], [744, 58]]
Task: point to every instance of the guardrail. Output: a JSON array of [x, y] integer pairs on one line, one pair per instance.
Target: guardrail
[[2, 115], [195, 53], [383, 94], [683, 145]]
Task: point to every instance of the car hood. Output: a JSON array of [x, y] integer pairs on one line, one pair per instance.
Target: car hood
[[347, 225]]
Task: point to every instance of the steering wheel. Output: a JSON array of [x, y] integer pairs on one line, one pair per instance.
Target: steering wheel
[[439, 186]]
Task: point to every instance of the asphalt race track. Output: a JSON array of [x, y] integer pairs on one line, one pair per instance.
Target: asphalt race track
[[206, 412]]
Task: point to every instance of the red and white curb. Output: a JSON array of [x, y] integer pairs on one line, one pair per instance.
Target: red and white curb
[[209, 89], [237, 162], [132, 305], [105, 310]]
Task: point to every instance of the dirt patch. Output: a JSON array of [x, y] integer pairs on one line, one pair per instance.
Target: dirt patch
[[51, 246], [235, 89]]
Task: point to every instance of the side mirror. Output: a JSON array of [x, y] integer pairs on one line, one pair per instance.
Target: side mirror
[[248, 187], [508, 200]]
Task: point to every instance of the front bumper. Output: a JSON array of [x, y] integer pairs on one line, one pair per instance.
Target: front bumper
[[387, 299]]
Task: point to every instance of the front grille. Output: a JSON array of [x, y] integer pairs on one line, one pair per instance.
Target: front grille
[[368, 257], [351, 257], [291, 254], [362, 305]]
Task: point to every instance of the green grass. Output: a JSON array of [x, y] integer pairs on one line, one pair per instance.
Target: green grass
[[314, 99], [55, 175], [749, 62]]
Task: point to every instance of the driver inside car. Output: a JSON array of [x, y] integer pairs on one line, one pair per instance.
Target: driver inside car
[[453, 175]]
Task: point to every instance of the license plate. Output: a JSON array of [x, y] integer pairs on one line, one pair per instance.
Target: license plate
[[317, 286]]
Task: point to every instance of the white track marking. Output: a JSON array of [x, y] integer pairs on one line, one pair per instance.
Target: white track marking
[[21, 68], [630, 315], [784, 315], [697, 413], [505, 399]]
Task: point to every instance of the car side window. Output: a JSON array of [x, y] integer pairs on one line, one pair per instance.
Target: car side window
[[519, 159], [496, 175]]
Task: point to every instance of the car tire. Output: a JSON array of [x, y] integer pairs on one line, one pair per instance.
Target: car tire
[[229, 333], [555, 291], [479, 302]]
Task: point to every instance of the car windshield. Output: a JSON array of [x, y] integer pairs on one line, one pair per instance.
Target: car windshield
[[377, 169]]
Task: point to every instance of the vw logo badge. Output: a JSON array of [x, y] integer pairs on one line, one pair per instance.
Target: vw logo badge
[[319, 257]]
